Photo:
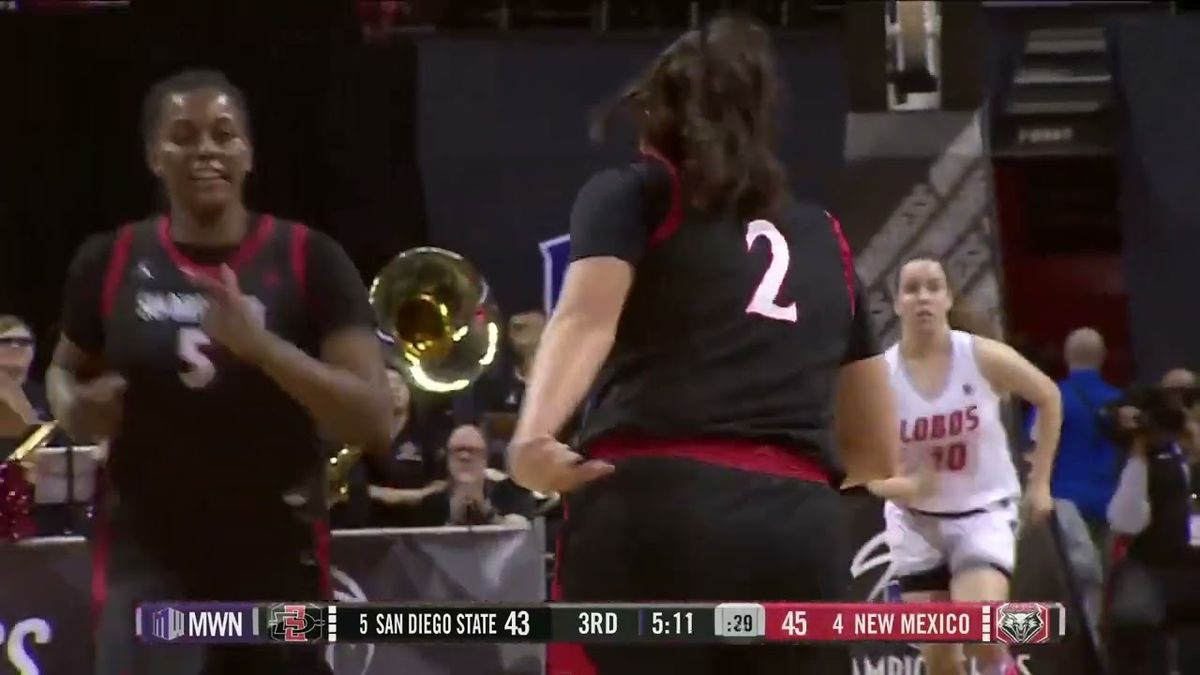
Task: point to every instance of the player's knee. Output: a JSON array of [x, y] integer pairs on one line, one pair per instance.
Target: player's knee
[[942, 659]]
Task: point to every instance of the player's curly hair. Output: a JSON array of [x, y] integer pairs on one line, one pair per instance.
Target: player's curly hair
[[707, 104]]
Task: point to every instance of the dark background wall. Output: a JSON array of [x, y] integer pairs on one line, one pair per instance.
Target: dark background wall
[[1156, 67], [504, 147]]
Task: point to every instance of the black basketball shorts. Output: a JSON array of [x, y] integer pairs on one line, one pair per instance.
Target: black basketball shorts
[[130, 568], [663, 529]]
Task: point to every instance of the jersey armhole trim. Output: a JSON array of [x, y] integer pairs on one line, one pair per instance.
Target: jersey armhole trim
[[298, 252], [118, 258], [967, 343], [674, 217], [847, 259]]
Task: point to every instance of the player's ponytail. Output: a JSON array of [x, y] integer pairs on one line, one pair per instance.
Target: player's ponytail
[[707, 104]]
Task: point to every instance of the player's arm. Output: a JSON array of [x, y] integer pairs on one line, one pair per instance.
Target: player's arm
[[82, 397], [345, 387], [609, 234], [1009, 372], [865, 421]]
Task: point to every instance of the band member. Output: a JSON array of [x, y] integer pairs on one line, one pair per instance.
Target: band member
[[209, 344], [719, 321], [954, 537]]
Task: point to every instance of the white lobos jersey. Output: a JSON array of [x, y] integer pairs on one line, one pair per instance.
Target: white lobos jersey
[[959, 432]]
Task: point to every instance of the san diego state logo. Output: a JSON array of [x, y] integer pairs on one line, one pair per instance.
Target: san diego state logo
[[296, 622], [556, 255]]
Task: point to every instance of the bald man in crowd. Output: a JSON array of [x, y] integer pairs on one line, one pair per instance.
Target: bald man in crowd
[[475, 494], [1085, 470], [1179, 378]]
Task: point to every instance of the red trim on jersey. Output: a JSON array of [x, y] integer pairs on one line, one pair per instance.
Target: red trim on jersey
[[564, 658], [298, 251], [847, 258], [321, 549], [251, 245], [118, 259], [674, 215], [727, 452]]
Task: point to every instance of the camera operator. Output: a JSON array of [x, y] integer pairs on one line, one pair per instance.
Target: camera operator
[[1156, 585]]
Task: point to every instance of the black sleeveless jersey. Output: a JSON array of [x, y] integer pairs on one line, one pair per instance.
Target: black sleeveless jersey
[[731, 329], [203, 433]]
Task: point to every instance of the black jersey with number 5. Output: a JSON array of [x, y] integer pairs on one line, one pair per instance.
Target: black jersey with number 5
[[203, 430], [731, 329]]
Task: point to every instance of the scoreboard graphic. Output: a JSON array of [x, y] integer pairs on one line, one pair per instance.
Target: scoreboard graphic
[[306, 623]]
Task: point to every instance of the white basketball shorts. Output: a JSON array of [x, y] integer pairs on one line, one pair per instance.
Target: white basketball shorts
[[928, 549]]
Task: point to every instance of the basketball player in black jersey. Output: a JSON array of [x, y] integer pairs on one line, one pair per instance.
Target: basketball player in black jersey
[[722, 325], [208, 345]]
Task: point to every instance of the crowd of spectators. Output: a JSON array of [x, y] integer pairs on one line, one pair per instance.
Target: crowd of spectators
[[1126, 490]]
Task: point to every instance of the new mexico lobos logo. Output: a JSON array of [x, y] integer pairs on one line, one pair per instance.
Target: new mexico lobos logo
[[556, 255], [1022, 623]]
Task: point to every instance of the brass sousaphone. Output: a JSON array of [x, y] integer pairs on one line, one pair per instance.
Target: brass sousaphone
[[438, 314]]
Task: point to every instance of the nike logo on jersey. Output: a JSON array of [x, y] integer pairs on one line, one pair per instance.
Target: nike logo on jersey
[[938, 426], [144, 271]]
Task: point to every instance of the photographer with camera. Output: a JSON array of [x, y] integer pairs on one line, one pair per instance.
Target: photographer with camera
[[1156, 584]]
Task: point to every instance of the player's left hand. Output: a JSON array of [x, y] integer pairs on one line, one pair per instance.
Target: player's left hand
[[542, 464], [1039, 503], [231, 319]]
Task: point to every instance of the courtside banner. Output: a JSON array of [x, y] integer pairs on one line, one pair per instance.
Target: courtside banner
[[738, 622]]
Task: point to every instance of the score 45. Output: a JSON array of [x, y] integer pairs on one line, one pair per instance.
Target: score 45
[[795, 623]]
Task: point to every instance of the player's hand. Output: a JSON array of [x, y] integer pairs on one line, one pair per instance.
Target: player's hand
[[1039, 503], [232, 319], [542, 464], [96, 406]]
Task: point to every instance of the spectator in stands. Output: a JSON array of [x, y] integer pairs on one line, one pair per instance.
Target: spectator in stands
[[1085, 472], [401, 479], [1156, 583], [493, 402], [1178, 378], [20, 395], [474, 494]]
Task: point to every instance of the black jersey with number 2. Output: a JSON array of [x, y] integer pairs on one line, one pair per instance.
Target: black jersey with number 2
[[731, 329], [203, 433]]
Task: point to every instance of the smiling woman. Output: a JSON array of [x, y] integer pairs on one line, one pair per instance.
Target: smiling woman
[[183, 112], [208, 345]]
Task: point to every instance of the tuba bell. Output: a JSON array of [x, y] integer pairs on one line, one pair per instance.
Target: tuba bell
[[437, 312]]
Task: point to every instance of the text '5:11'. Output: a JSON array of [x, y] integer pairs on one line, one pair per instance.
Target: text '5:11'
[[671, 623]]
